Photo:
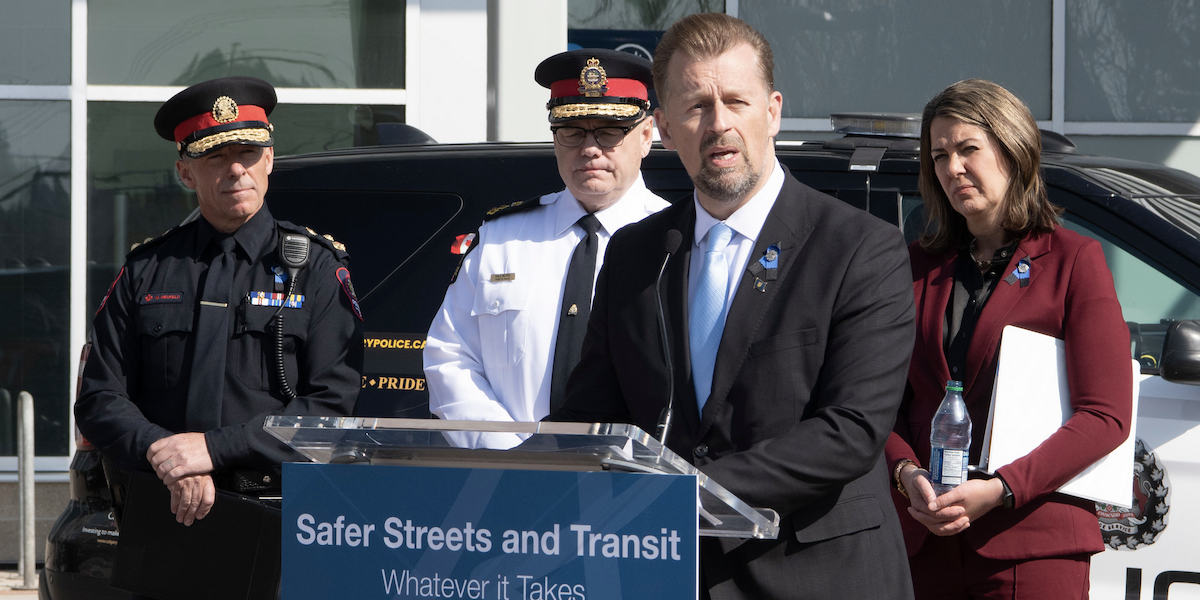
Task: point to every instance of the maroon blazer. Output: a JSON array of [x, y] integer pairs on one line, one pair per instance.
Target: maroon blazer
[[1070, 296]]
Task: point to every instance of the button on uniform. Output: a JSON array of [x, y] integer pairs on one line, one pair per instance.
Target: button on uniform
[[701, 451]]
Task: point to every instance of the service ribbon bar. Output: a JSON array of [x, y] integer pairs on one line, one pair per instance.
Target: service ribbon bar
[[272, 299]]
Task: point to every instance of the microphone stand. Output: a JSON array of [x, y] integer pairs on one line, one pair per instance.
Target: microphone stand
[[671, 244]]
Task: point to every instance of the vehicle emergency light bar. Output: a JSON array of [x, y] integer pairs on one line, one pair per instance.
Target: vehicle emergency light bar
[[890, 124]]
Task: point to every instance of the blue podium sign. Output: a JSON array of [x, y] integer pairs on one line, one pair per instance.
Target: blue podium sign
[[358, 531]]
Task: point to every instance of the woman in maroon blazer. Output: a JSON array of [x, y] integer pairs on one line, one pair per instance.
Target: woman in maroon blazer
[[998, 257]]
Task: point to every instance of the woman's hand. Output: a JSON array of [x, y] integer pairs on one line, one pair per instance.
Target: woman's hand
[[943, 519], [952, 512]]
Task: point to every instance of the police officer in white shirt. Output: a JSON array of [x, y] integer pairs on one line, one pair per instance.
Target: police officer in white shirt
[[511, 326]]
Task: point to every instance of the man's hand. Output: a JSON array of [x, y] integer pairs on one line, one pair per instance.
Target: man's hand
[[180, 455], [954, 511], [192, 497]]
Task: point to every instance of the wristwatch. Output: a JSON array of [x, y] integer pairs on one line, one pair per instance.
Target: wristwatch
[[1007, 499], [896, 476]]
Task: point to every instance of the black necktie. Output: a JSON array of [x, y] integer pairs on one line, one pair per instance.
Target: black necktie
[[207, 383], [576, 306]]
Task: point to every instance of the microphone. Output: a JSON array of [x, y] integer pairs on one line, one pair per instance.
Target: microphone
[[293, 254], [670, 245]]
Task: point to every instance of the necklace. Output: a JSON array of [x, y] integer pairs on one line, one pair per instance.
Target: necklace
[[982, 264]]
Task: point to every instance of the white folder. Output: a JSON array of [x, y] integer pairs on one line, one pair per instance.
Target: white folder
[[1031, 400]]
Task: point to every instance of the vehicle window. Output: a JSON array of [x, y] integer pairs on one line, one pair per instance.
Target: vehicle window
[[912, 217], [1150, 299]]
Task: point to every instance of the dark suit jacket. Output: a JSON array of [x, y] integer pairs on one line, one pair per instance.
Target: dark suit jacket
[[1070, 296], [809, 374]]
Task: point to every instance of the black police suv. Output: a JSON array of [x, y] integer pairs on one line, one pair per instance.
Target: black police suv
[[398, 209]]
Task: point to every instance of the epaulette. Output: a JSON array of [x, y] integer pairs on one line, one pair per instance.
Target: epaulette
[[491, 215], [150, 242], [508, 209], [337, 248]]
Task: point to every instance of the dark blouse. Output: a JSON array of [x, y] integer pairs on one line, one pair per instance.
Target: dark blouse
[[972, 289]]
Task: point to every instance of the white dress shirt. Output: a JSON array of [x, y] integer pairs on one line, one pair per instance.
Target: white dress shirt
[[746, 223], [491, 346]]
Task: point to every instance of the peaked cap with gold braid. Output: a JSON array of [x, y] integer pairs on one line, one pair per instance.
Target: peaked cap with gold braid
[[593, 83], [216, 113]]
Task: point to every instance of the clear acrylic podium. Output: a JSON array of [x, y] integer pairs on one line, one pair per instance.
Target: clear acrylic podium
[[546, 446]]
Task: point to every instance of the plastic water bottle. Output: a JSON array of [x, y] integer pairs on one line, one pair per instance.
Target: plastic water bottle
[[950, 438]]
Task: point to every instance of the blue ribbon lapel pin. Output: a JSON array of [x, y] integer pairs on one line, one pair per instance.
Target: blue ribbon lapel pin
[[766, 269], [1020, 273]]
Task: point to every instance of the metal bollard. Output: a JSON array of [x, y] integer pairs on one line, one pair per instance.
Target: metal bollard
[[28, 563]]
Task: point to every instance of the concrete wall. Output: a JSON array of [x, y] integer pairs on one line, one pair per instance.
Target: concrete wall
[[449, 100], [51, 499], [521, 34]]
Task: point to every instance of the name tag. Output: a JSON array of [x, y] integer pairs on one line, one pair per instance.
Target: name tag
[[161, 298], [503, 277], [273, 299]]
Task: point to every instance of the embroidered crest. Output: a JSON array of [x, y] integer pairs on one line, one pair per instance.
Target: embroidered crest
[[224, 110], [593, 81], [343, 275]]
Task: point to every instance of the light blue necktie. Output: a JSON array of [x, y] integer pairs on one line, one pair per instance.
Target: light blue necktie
[[707, 316]]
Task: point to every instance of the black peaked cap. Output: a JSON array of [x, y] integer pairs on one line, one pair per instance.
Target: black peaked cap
[[617, 64], [199, 99]]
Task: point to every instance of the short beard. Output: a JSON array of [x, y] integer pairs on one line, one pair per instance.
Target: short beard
[[728, 185]]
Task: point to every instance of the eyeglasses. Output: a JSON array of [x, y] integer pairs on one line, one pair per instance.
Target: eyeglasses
[[606, 137]]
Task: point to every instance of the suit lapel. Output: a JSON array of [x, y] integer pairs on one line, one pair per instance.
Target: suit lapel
[[788, 227], [675, 300], [934, 298], [986, 339]]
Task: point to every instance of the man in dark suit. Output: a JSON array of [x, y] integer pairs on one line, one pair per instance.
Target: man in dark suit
[[790, 323]]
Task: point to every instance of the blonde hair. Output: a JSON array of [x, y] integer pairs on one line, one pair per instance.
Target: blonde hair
[[1007, 121], [709, 35]]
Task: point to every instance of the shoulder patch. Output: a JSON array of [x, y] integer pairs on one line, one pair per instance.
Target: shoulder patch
[[139, 247], [337, 248], [111, 287], [462, 242], [515, 207], [343, 276], [470, 240]]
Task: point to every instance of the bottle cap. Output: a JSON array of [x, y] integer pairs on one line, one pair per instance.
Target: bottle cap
[[954, 386]]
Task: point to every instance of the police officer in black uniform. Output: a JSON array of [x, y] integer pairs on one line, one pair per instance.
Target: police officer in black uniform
[[212, 327]]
